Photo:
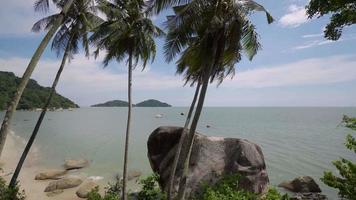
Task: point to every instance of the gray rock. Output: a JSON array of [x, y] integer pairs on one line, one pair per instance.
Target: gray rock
[[133, 174], [54, 193], [309, 196], [65, 183], [75, 164], [303, 184], [212, 157], [85, 189], [53, 174]]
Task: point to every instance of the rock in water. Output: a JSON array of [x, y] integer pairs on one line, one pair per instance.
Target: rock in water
[[85, 189], [75, 164], [303, 184], [212, 157], [50, 174], [65, 183], [133, 174]]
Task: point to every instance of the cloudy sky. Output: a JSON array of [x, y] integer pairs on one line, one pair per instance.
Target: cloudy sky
[[296, 67]]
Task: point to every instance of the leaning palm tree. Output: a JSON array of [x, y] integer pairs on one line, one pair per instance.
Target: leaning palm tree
[[79, 20], [128, 34], [215, 32], [39, 5]]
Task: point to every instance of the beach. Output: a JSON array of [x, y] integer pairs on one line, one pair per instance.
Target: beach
[[34, 189]]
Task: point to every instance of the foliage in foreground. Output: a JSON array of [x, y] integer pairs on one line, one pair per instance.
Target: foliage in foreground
[[225, 189], [346, 184], [10, 193], [150, 190], [343, 14]]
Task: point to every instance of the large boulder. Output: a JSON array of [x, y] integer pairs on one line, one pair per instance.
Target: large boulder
[[85, 189], [211, 158], [303, 184], [65, 183], [50, 174], [75, 164]]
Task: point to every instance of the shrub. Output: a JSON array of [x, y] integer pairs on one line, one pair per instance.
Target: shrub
[[150, 189], [346, 184], [94, 195], [7, 193], [225, 189]]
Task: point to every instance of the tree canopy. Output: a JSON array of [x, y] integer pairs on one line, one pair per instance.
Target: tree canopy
[[343, 14]]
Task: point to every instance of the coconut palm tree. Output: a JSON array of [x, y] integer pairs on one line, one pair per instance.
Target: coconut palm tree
[[39, 5], [215, 32], [79, 20], [127, 34]]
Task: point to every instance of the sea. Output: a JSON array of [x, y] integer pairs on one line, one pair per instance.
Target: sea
[[296, 141]]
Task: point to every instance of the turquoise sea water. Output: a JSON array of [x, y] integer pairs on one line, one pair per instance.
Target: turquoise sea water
[[295, 141]]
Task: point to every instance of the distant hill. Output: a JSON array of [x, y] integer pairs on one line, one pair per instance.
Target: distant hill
[[114, 103], [33, 97], [119, 103], [152, 103]]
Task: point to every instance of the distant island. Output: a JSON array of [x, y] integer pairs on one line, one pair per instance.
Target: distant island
[[152, 103], [33, 97], [114, 103], [120, 103]]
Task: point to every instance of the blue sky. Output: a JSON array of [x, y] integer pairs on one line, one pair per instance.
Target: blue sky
[[296, 66]]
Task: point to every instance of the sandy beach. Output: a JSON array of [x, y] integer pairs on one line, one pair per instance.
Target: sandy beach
[[34, 189]]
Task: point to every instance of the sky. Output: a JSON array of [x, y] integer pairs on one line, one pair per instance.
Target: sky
[[296, 66]]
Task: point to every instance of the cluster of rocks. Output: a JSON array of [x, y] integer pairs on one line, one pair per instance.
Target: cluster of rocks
[[60, 180], [305, 188], [214, 157]]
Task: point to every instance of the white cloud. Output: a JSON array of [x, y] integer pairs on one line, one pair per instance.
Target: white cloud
[[315, 43], [86, 82], [83, 79], [295, 17], [318, 35], [317, 71], [19, 11]]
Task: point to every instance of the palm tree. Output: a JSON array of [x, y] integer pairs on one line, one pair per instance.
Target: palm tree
[[127, 33], [76, 24], [39, 5], [215, 33]]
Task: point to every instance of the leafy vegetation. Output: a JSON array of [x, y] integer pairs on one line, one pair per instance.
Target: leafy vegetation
[[343, 13], [33, 97], [225, 189], [7, 193], [150, 190], [346, 184]]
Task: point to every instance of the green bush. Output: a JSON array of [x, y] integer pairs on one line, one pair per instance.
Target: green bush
[[7, 193], [225, 189], [94, 195], [346, 184], [150, 189]]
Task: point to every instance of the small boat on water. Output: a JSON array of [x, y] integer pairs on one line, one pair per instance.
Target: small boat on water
[[159, 116]]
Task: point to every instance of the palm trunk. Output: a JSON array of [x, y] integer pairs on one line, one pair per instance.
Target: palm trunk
[[180, 144], [124, 185], [26, 76], [186, 150], [39, 121]]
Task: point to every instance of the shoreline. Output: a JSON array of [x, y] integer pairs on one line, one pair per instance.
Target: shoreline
[[34, 189]]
